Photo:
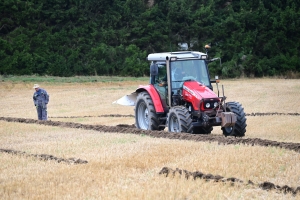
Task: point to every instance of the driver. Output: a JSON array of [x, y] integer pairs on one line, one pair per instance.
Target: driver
[[178, 74]]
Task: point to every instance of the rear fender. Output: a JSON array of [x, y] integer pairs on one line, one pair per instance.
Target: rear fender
[[154, 95]]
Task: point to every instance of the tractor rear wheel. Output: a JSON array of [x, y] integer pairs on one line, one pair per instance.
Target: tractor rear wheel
[[239, 129], [145, 114], [179, 120]]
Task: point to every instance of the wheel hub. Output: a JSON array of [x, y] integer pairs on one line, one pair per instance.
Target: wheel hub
[[146, 114], [143, 115], [174, 124]]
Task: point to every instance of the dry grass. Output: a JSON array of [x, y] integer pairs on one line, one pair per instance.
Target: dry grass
[[125, 166]]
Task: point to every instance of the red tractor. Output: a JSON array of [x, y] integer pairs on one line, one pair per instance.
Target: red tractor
[[182, 98]]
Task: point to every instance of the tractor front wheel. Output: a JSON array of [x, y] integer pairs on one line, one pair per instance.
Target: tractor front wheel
[[179, 120], [145, 114], [239, 129]]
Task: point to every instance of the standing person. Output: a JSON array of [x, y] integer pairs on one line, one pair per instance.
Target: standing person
[[153, 72], [40, 100]]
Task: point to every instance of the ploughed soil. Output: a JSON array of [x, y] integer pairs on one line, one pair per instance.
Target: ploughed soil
[[131, 129], [45, 157], [118, 115], [166, 171]]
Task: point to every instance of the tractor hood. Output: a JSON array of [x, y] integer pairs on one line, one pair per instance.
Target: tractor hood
[[194, 92]]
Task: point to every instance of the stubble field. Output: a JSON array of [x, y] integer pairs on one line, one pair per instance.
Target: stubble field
[[89, 148]]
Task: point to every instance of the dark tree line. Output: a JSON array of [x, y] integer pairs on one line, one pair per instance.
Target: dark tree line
[[114, 37]]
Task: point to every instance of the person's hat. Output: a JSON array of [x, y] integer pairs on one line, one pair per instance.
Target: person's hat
[[36, 86]]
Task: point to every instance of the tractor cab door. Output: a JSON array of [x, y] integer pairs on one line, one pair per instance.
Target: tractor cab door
[[161, 84]]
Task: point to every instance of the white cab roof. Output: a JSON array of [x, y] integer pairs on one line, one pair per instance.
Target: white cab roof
[[178, 54]]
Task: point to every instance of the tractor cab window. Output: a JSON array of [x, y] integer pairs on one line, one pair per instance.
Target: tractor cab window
[[183, 70], [162, 72]]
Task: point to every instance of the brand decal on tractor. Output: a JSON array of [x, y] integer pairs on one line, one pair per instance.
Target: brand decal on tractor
[[190, 91]]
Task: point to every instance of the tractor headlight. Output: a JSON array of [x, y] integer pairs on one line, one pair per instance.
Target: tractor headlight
[[207, 105]]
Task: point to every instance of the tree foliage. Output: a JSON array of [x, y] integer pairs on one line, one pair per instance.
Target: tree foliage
[[113, 37]]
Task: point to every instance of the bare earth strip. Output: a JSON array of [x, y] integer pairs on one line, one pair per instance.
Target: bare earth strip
[[45, 157], [123, 128], [118, 115], [217, 178]]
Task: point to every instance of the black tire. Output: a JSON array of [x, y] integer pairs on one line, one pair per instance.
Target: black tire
[[145, 114], [202, 130], [239, 129], [179, 120]]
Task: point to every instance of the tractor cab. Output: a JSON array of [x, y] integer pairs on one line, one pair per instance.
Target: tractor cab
[[174, 69]]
